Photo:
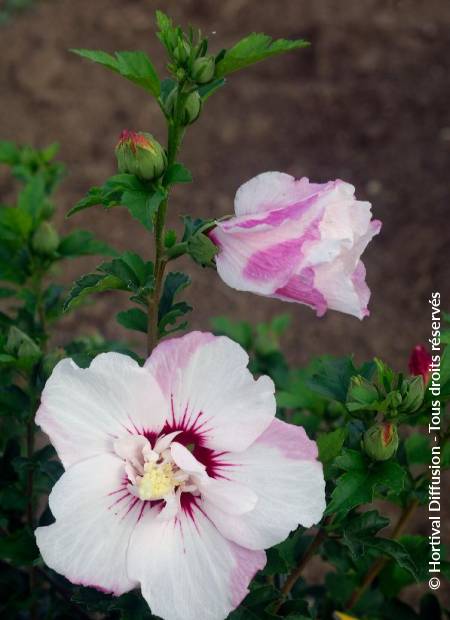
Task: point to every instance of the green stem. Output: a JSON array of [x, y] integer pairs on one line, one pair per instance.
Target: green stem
[[381, 562], [175, 138], [295, 575]]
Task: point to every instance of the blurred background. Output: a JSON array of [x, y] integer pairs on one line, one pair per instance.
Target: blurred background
[[368, 102]]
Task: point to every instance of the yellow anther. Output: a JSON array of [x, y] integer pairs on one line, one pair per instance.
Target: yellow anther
[[156, 482]]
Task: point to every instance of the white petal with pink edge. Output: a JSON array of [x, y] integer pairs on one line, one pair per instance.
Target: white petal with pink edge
[[187, 569], [281, 468], [212, 391], [272, 190], [95, 516], [84, 410]]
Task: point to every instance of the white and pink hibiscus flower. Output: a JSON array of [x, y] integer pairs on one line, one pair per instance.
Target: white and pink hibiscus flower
[[299, 242], [177, 475]]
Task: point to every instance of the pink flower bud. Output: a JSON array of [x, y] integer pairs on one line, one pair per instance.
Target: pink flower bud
[[419, 362], [140, 154]]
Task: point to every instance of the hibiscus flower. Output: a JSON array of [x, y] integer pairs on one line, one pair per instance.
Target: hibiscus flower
[[177, 475]]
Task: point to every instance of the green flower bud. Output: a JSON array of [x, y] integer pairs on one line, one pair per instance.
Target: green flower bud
[[140, 154], [361, 394], [182, 52], [381, 441], [203, 69], [412, 391], [45, 239], [191, 110]]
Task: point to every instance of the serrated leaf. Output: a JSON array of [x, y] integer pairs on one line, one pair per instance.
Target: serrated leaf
[[83, 243], [134, 66], [332, 377], [170, 312], [254, 48], [202, 250], [143, 205], [134, 319], [89, 284], [177, 173], [330, 444]]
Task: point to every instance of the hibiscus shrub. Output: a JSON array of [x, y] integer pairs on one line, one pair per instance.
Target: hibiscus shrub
[[179, 486]]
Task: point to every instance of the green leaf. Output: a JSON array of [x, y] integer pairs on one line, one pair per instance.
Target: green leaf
[[82, 243], [15, 224], [177, 173], [143, 205], [32, 197], [332, 377], [134, 319], [9, 153], [89, 284], [361, 483], [330, 444], [170, 312], [134, 66], [252, 49], [95, 196], [6, 292], [19, 548], [394, 578], [418, 450]]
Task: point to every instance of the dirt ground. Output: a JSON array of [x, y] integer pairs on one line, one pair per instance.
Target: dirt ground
[[368, 103]]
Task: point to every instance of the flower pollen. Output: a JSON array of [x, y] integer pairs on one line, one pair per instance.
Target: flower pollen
[[157, 481]]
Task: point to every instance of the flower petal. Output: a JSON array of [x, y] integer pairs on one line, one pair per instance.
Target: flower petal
[[281, 468], [272, 190], [213, 394], [187, 570], [84, 410], [95, 516]]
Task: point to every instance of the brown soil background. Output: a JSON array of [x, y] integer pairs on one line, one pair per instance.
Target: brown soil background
[[368, 103]]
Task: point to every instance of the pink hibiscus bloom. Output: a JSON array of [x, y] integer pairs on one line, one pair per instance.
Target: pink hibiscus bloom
[[298, 241], [178, 475]]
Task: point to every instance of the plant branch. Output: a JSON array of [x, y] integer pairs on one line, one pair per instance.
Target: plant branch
[[175, 137], [309, 553], [381, 562]]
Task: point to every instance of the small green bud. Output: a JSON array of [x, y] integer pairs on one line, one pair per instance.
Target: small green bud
[[45, 239], [203, 69], [412, 392], [361, 394], [380, 441], [140, 154], [182, 52], [191, 109]]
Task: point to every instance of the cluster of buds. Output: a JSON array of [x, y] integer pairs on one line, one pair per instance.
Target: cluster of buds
[[140, 154], [188, 55]]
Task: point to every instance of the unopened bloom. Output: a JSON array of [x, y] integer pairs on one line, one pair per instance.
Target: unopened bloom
[[178, 475], [381, 441], [140, 154], [298, 241], [420, 363]]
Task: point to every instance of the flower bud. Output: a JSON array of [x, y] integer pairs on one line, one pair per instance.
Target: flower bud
[[140, 154], [203, 69], [419, 362], [412, 392], [361, 394], [45, 239], [380, 441], [182, 51], [21, 345], [192, 108]]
